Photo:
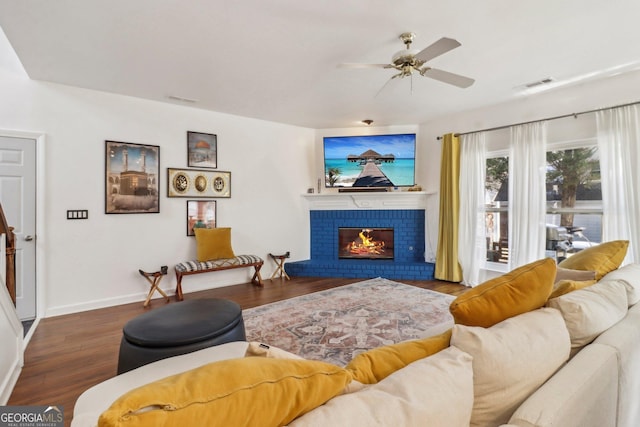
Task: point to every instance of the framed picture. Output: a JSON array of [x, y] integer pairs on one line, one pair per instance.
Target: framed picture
[[198, 183], [202, 150], [132, 173], [200, 214]]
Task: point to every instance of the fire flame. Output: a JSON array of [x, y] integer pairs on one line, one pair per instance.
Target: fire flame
[[367, 245]]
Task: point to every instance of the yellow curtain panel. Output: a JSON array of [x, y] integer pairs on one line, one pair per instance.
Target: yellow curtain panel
[[447, 266]]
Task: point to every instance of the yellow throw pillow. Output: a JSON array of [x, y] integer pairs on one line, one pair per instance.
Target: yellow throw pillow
[[601, 258], [524, 289], [213, 243], [565, 286], [251, 391], [377, 364]]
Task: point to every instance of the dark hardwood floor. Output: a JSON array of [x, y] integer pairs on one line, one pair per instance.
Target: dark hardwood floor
[[68, 354]]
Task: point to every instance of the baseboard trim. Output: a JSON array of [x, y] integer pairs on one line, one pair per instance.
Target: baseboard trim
[[9, 382], [195, 284], [101, 303]]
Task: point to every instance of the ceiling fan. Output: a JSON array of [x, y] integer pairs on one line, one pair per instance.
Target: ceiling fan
[[409, 60]]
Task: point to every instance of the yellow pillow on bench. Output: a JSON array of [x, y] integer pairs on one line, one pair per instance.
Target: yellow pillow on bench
[[251, 391], [213, 243]]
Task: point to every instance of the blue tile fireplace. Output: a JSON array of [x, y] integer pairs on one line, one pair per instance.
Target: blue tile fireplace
[[406, 220]]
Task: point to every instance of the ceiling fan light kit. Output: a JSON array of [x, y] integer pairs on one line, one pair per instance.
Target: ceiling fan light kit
[[409, 60]]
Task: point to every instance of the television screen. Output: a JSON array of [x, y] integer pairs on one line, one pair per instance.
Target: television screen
[[370, 160]]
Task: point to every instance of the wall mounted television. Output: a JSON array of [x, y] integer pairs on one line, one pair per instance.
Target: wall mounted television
[[370, 160]]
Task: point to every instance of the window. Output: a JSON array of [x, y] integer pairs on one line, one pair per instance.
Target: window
[[497, 209], [574, 201]]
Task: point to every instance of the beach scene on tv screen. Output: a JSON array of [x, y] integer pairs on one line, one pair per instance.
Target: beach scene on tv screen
[[370, 161]]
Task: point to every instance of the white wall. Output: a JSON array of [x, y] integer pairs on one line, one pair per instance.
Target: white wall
[[94, 263], [608, 92]]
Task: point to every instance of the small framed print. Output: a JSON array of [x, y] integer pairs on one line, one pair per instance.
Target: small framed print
[[200, 214], [198, 183], [132, 173], [202, 150]]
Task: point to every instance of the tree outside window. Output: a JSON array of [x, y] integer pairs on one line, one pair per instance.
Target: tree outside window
[[574, 199], [568, 172]]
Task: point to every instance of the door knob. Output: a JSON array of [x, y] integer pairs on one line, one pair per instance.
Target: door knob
[[28, 238]]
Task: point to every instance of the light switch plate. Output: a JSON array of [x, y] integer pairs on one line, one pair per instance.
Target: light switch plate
[[78, 214]]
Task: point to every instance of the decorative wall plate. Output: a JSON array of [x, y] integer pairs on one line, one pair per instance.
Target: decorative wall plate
[[198, 183]]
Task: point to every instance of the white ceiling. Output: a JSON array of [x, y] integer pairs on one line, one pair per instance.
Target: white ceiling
[[276, 60]]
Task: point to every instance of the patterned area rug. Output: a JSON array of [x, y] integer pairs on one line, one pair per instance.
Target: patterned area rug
[[337, 324]]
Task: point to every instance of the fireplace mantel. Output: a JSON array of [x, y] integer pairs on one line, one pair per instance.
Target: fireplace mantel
[[378, 200]]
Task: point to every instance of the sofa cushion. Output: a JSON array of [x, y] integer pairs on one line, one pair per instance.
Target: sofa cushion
[[435, 391], [565, 286], [590, 311], [601, 258], [523, 289], [624, 337], [583, 393], [579, 275], [213, 243], [630, 276], [247, 391], [511, 360], [375, 365]]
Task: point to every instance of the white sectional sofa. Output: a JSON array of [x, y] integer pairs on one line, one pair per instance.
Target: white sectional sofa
[[572, 362], [598, 387]]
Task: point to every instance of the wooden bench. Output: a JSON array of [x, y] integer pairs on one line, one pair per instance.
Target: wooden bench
[[197, 267]]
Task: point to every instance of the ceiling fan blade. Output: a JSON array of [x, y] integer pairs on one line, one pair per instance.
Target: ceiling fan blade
[[447, 77], [355, 65], [443, 45]]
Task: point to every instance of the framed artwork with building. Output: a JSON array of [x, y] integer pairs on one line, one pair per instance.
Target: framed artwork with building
[[132, 174], [200, 214], [202, 150]]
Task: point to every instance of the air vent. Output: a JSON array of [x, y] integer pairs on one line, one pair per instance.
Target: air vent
[[539, 82]]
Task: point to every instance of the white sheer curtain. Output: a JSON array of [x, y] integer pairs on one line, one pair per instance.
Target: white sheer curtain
[[527, 193], [471, 234], [618, 140]]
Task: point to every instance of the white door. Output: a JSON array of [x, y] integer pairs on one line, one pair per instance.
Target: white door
[[18, 198]]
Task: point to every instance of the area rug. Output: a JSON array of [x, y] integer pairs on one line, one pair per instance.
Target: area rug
[[337, 324]]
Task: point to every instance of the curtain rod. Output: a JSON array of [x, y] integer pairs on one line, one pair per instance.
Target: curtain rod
[[575, 115]]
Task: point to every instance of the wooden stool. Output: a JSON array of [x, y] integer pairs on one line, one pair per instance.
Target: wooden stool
[[154, 280], [279, 259]]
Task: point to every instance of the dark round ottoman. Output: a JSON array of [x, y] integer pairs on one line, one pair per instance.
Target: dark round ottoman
[[178, 329]]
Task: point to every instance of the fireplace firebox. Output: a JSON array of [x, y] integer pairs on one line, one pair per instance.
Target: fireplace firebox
[[365, 243]]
